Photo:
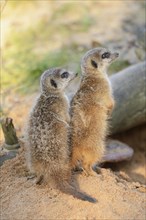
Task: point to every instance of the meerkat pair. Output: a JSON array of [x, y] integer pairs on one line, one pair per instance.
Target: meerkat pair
[[47, 134], [90, 108], [48, 130]]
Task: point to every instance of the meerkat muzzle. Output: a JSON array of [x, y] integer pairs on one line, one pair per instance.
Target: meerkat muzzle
[[117, 54], [114, 56]]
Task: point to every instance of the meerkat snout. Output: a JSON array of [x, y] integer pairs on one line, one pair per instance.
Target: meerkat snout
[[113, 56]]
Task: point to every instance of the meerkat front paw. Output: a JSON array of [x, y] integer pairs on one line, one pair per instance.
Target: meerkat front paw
[[110, 107]]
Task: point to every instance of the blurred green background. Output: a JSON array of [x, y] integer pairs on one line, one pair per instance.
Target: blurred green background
[[37, 35]]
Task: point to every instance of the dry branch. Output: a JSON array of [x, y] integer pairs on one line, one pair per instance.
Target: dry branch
[[11, 140]]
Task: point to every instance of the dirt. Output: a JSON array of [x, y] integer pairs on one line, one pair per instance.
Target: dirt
[[117, 197], [135, 168]]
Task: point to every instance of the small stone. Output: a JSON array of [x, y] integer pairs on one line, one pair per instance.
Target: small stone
[[117, 151], [7, 155]]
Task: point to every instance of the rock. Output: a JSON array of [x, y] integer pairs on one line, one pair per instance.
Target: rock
[[117, 151], [7, 155]]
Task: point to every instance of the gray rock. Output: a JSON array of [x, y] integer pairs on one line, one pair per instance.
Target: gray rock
[[117, 151]]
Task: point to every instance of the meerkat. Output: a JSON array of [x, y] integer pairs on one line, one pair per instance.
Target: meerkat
[[47, 133], [90, 108]]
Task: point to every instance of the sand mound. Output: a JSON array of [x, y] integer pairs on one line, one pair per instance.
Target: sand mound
[[118, 197]]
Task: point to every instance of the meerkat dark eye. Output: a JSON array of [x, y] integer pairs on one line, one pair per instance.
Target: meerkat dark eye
[[53, 83], [94, 64], [105, 55], [64, 75]]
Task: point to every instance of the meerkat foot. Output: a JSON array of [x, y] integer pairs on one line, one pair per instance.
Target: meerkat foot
[[36, 179], [97, 170], [92, 173], [31, 176], [39, 180], [85, 173], [88, 171], [78, 169]]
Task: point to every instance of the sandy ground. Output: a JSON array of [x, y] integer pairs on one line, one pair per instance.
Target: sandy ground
[[118, 197]]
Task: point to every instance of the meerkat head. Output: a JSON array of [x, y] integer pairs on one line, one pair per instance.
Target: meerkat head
[[55, 80], [97, 59]]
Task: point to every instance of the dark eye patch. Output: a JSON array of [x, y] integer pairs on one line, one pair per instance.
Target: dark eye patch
[[94, 64], [53, 83], [64, 75], [105, 55]]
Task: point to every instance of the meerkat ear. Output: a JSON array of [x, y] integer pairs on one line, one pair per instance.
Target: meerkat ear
[[53, 83], [94, 64]]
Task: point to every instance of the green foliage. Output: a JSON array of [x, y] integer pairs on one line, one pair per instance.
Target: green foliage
[[23, 64]]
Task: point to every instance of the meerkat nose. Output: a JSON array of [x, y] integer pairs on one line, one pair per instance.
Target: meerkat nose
[[117, 54]]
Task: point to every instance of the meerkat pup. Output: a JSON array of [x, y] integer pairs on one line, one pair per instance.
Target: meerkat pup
[[47, 132], [90, 109]]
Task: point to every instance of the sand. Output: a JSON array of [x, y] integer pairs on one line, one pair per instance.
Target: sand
[[118, 197]]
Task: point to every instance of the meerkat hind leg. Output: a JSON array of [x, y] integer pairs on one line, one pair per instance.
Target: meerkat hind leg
[[88, 171], [76, 163], [78, 167]]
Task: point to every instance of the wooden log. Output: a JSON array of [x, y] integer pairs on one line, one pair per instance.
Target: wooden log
[[130, 95], [11, 140]]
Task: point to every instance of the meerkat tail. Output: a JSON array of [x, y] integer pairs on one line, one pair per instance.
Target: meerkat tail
[[65, 187], [78, 194]]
